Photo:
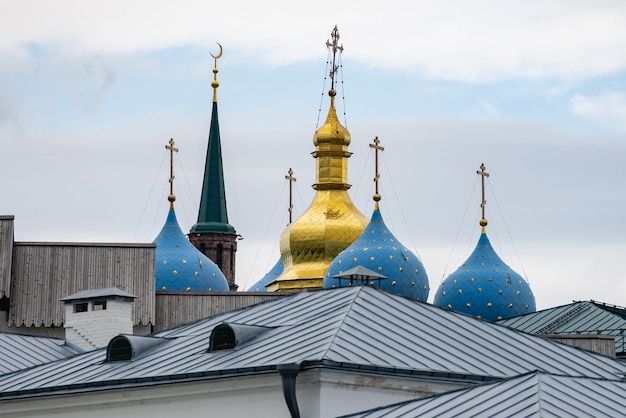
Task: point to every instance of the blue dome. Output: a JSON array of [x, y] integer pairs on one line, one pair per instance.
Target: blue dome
[[268, 278], [180, 266], [378, 250], [485, 287]]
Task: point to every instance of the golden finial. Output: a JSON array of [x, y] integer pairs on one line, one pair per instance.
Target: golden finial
[[377, 148], [215, 84], [171, 198], [291, 179], [334, 47], [483, 203]]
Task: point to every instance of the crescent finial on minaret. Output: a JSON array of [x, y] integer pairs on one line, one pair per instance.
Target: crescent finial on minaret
[[215, 84]]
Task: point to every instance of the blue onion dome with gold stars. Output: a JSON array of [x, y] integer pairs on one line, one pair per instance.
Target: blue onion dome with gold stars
[[398, 270], [269, 277], [377, 259], [179, 265], [484, 286]]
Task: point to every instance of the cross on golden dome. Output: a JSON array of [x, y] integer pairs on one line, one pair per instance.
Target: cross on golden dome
[[334, 47], [292, 180]]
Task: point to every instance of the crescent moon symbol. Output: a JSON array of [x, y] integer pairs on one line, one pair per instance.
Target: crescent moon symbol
[[218, 55]]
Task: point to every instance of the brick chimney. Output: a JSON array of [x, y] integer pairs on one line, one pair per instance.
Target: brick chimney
[[93, 317]]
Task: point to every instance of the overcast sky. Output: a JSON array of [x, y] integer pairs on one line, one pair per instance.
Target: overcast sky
[[90, 93]]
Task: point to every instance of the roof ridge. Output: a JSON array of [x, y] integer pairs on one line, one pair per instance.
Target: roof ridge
[[537, 376], [574, 310], [343, 320]]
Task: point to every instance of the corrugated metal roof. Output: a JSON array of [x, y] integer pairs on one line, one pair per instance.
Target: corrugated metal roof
[[531, 395], [357, 327], [18, 352], [6, 254], [575, 318], [43, 273]]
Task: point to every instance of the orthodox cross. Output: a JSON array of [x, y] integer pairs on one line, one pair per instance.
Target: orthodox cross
[[172, 150], [483, 203], [334, 47], [377, 148], [292, 180]]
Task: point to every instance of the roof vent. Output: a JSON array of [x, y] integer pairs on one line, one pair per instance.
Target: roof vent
[[128, 347], [227, 336]]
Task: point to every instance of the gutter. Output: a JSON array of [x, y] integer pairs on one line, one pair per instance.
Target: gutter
[[288, 373]]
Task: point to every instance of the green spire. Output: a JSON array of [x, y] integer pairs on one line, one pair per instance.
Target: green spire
[[212, 216]]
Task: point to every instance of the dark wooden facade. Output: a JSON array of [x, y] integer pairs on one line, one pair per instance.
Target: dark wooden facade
[[176, 308], [43, 273]]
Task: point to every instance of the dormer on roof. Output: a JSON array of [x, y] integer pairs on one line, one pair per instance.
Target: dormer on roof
[[128, 347], [227, 336]]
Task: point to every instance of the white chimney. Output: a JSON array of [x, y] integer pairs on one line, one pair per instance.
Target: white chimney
[[93, 317]]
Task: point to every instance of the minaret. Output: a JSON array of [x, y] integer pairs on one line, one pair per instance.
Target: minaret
[[212, 234], [331, 222]]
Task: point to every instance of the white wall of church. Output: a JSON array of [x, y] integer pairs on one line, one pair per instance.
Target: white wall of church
[[320, 393]]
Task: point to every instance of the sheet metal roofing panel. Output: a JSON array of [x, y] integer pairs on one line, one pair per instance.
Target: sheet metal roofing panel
[[357, 327], [44, 273], [6, 254], [18, 352], [531, 395], [575, 318]]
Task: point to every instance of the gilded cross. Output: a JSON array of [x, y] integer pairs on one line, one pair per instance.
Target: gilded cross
[[172, 150], [377, 147], [483, 203], [334, 47], [292, 180]]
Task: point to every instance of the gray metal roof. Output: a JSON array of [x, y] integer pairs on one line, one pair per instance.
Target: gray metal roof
[[576, 318], [98, 293], [360, 271], [531, 395], [353, 327], [18, 352]]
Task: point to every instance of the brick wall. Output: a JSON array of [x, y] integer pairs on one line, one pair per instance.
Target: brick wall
[[95, 327]]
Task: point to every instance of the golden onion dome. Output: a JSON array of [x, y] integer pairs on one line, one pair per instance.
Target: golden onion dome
[[332, 132], [310, 244], [331, 223]]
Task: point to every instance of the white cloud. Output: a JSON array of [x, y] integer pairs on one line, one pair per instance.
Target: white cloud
[[482, 40], [607, 108]]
